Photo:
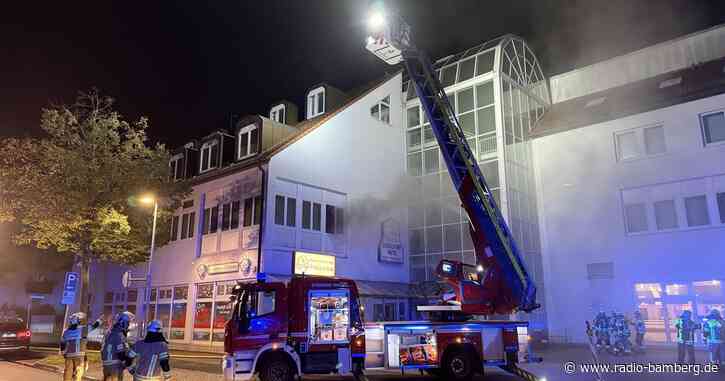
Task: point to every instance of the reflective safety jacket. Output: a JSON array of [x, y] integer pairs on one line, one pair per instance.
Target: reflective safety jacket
[[152, 361], [712, 330], [72, 343], [640, 327], [115, 348], [686, 330]]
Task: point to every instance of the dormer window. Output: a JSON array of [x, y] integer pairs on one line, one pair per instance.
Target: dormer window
[[277, 113], [316, 102], [176, 167], [248, 141], [209, 156]]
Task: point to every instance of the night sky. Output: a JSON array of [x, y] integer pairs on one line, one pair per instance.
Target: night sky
[[189, 65]]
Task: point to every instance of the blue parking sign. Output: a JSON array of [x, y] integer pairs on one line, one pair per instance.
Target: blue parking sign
[[70, 287]]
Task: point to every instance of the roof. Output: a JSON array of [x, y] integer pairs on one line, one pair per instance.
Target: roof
[[304, 128], [685, 85]]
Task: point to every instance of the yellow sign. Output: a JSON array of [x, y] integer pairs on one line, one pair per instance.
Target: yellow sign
[[314, 264]]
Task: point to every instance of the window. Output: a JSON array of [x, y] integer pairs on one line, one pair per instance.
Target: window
[[285, 211], [248, 141], [636, 215], [413, 116], [665, 215], [187, 225], [713, 127], [265, 302], [721, 206], [311, 215], [484, 62], [381, 111], [654, 140], [329, 316], [230, 215], [696, 211], [466, 69], [176, 167], [627, 146], [174, 228], [339, 220], [316, 102], [448, 75], [252, 211], [333, 219], [209, 156], [211, 220], [277, 113]]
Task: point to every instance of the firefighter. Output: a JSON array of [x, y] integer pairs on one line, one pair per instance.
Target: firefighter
[[151, 356], [686, 328], [72, 347], [640, 329], [712, 330], [115, 350], [620, 334], [601, 330]]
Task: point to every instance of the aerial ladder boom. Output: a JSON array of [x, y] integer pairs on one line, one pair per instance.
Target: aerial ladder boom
[[499, 283]]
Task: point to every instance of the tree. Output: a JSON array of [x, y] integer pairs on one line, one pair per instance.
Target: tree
[[72, 190]]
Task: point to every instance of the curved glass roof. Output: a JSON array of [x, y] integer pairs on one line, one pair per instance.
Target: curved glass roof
[[518, 62]]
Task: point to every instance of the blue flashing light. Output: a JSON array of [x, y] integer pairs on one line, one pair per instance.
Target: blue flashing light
[[261, 277], [447, 268]]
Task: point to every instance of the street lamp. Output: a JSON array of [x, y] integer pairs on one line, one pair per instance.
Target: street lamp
[[149, 200]]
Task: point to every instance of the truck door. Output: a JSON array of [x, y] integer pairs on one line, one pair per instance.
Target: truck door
[[262, 310]]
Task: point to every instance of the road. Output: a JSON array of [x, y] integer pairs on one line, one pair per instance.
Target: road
[[10, 371]]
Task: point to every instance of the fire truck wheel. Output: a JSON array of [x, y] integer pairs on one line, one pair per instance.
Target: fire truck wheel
[[458, 366], [277, 368]]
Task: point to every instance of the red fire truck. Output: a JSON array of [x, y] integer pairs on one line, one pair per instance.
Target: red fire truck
[[314, 325]]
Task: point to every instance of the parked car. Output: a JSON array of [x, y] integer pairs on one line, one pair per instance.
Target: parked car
[[14, 334], [95, 336]]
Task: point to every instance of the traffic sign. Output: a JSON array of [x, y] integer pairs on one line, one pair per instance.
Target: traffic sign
[[70, 287]]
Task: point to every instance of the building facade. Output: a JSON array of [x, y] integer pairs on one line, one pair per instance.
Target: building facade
[[281, 196], [630, 165], [499, 93]]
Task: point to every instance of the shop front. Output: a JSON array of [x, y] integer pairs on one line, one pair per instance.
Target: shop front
[[661, 303]]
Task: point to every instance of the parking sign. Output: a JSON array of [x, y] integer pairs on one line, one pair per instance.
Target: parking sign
[[70, 287]]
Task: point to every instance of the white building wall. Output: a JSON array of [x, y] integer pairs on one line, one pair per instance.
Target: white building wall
[[355, 162], [582, 186]]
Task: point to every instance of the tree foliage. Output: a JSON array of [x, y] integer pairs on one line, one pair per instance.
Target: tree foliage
[[72, 190]]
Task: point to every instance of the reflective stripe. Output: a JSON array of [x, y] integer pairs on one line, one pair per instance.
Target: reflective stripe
[[152, 366], [131, 353], [111, 362], [164, 355]]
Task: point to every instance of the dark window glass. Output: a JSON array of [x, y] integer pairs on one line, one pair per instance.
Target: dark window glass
[[172, 169], [179, 169], [306, 214], [248, 212], [235, 214], [339, 220], [192, 222], [448, 76], [486, 120], [291, 211], [214, 219], [485, 62], [214, 156], [489, 170], [257, 210], [205, 159], [329, 219], [174, 228], [465, 100], [466, 68], [184, 226], [243, 144], [279, 210], [484, 94], [226, 216], [321, 102], [713, 127], [316, 216], [205, 226], [187, 204], [254, 141]]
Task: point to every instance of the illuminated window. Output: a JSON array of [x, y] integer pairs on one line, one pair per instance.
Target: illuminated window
[[676, 289], [648, 290], [316, 102], [708, 288], [277, 113]]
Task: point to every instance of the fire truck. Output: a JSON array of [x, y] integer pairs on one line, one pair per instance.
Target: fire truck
[[314, 325]]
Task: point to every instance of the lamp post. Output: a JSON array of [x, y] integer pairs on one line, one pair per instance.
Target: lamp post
[[147, 292]]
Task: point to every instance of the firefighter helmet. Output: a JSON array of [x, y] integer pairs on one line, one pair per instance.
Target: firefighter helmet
[[155, 326], [76, 318], [123, 319]]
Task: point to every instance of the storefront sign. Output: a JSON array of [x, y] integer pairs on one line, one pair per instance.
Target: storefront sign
[[245, 265], [390, 248], [314, 264]]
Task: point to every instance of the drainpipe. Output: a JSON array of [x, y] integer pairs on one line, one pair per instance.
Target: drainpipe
[[263, 216]]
